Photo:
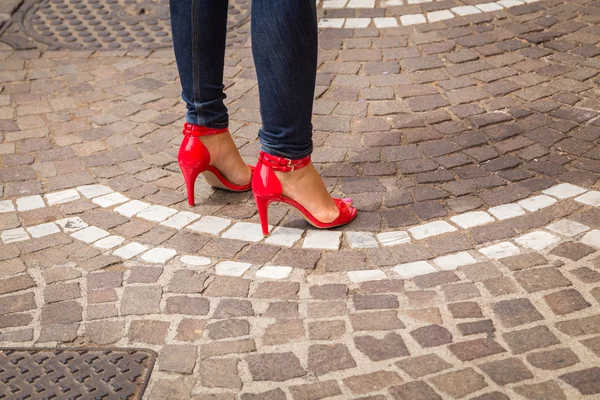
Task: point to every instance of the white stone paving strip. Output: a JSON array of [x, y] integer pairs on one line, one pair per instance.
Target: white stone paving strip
[[410, 270], [507, 211], [42, 230], [158, 255], [564, 191], [435, 228], [196, 261], [442, 15], [473, 218], [590, 198], [465, 10], [326, 240], [537, 202], [130, 250], [453, 261], [131, 208], [489, 7], [14, 235], [388, 22], [283, 236], [64, 196], [91, 191], [90, 234], [6, 206], [407, 19], [393, 238], [567, 227], [357, 23], [181, 219], [412, 19], [366, 275], [331, 22], [109, 242], [30, 203], [247, 231], [210, 224], [232, 268], [361, 240], [109, 200], [329, 240], [500, 250], [592, 238], [274, 272], [72, 224], [156, 213], [537, 240]]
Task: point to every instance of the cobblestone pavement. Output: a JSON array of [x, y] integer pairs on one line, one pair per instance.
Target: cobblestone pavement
[[470, 146]]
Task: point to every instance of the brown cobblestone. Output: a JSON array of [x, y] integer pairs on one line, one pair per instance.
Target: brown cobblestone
[[459, 383], [391, 346]]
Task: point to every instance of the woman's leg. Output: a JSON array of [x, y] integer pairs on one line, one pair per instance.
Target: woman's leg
[[199, 32], [284, 46]]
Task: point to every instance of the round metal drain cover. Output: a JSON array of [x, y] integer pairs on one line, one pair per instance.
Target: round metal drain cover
[[113, 24]]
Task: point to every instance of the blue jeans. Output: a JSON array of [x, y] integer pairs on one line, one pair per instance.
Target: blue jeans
[[284, 47]]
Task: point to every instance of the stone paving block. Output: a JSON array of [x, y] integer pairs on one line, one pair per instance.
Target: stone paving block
[[525, 340], [381, 320], [231, 308], [375, 302], [152, 332], [553, 359], [537, 279], [503, 372], [140, 300], [62, 313], [474, 349], [221, 373], [460, 383], [373, 382], [414, 390], [524, 261], [282, 310], [177, 358], [537, 391], [566, 301], [585, 381], [277, 290], [516, 312], [277, 367], [390, 346], [58, 333], [431, 336], [283, 331], [417, 367]]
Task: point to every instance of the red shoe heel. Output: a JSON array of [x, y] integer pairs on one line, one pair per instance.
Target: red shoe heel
[[194, 159], [262, 204], [189, 176], [267, 189]]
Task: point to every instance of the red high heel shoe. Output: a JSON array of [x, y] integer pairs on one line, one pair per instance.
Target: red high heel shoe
[[194, 159], [267, 189]]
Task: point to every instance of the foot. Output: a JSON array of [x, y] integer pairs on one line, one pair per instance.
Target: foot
[[225, 157], [305, 186]]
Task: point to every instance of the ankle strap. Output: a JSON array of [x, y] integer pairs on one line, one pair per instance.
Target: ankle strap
[[282, 164], [192, 130]]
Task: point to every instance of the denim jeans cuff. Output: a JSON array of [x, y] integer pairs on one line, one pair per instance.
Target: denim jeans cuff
[[291, 156], [216, 125]]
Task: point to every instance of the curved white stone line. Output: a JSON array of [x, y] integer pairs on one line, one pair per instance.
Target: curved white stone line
[[288, 237], [407, 19], [537, 240]]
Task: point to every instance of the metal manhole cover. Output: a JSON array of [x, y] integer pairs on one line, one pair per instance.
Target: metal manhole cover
[[74, 373], [111, 24]]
